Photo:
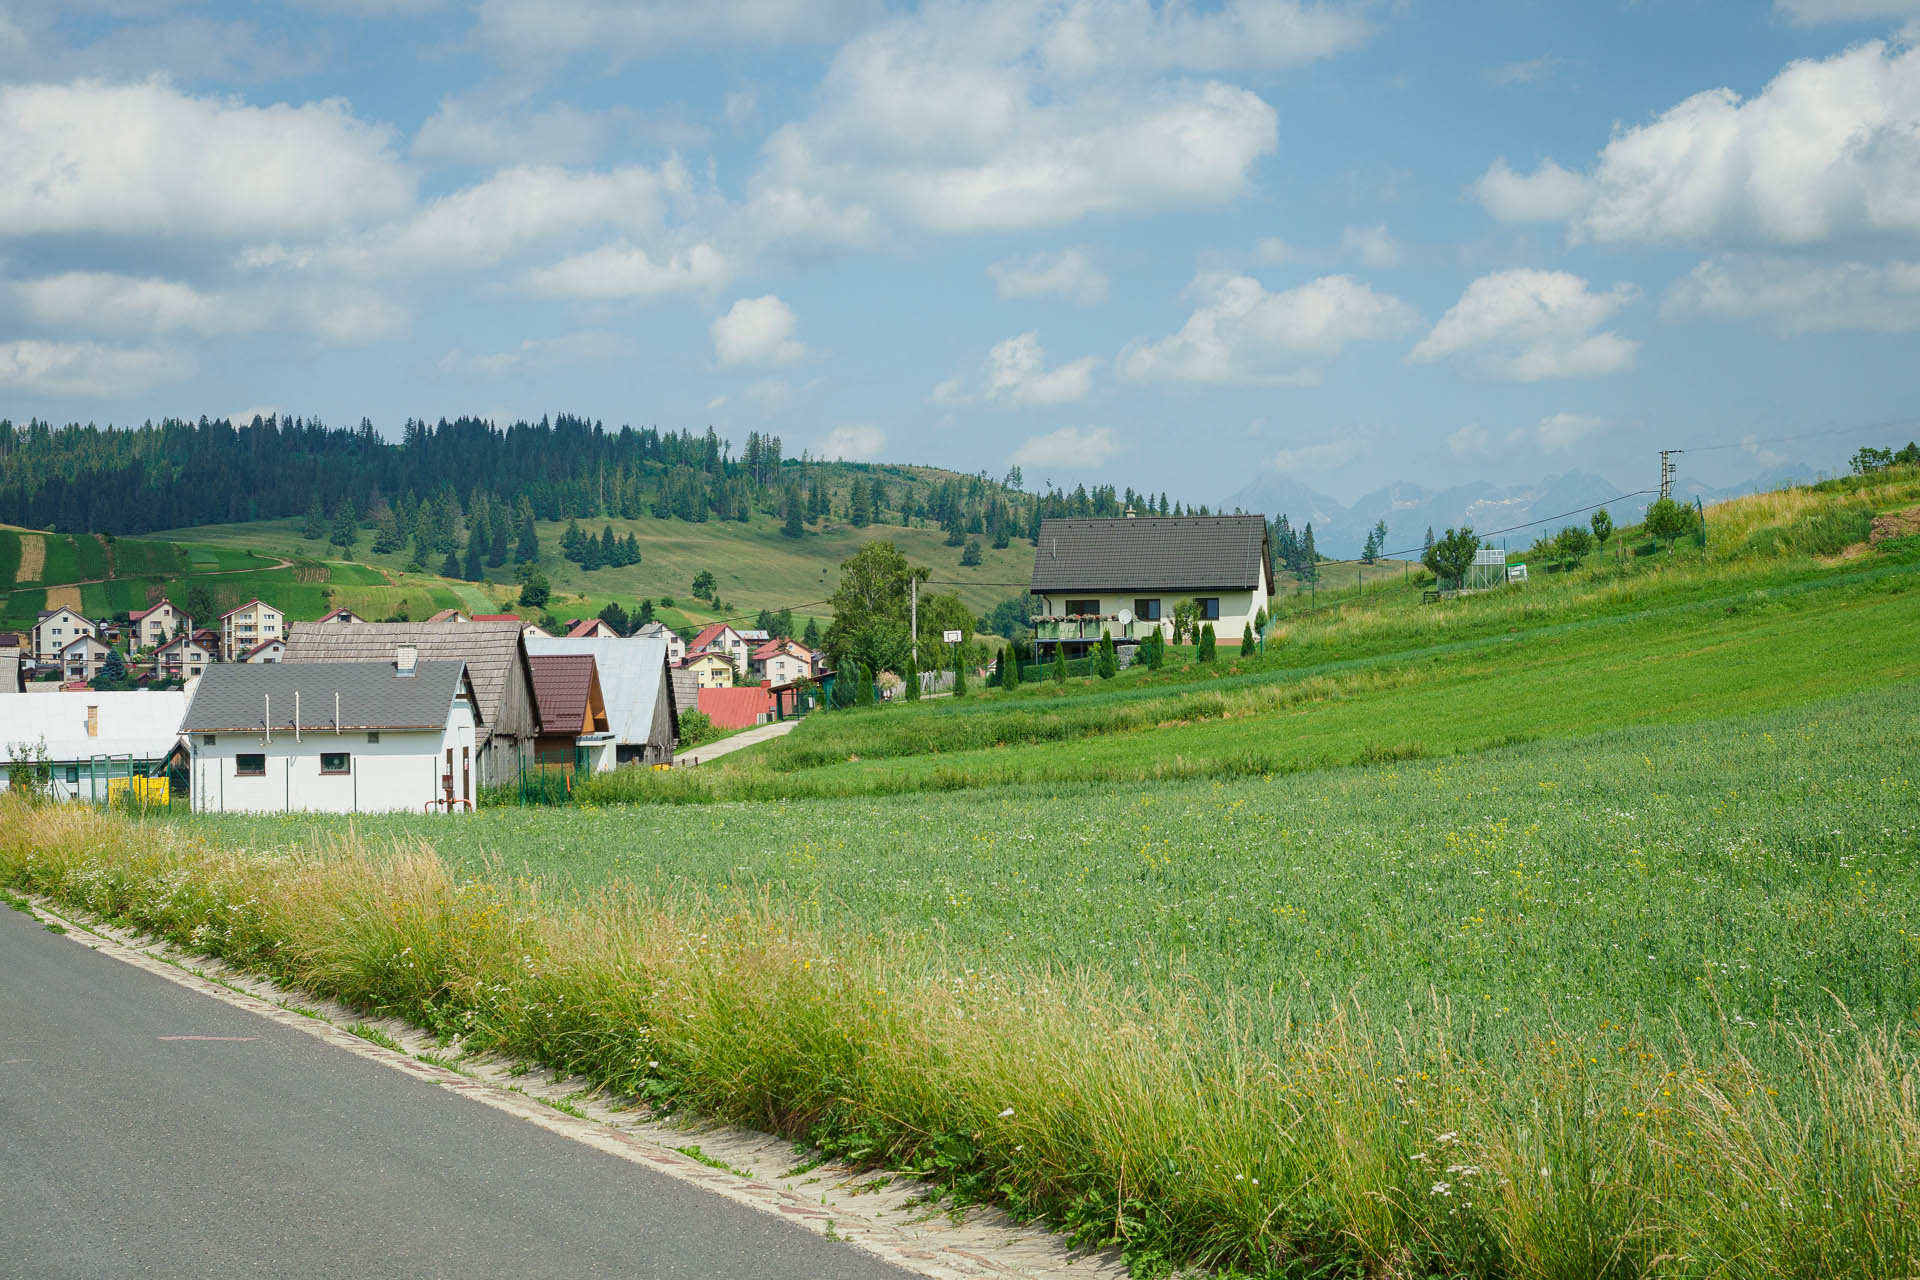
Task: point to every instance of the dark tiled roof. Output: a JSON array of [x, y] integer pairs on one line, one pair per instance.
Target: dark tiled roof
[[234, 697], [1193, 553], [561, 685]]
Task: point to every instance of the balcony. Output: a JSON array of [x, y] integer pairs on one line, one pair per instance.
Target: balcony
[[1086, 628]]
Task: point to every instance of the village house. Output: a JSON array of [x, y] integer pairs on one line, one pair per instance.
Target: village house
[[247, 626], [183, 656], [56, 630], [340, 615], [496, 660], [718, 637], [1125, 577], [642, 710], [710, 670], [156, 624], [449, 615], [592, 629], [532, 629], [83, 658], [333, 737], [676, 644], [574, 731], [266, 651], [93, 738], [781, 662]]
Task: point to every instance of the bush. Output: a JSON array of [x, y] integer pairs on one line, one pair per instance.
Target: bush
[[1059, 664], [959, 679], [1246, 641], [1156, 650], [1106, 663], [1206, 644], [696, 727]]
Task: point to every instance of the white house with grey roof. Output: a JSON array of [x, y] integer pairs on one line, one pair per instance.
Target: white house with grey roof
[[333, 737], [1126, 576]]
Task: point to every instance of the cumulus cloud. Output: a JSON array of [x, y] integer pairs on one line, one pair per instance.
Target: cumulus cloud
[[1794, 296], [1524, 325], [1830, 148], [949, 120], [1240, 333], [1557, 431], [1810, 12], [1468, 440], [1272, 251], [1016, 374], [1084, 447], [1068, 274], [76, 370], [1372, 245], [857, 442], [624, 270], [621, 30], [756, 332], [1324, 455], [147, 160], [538, 354], [466, 132], [103, 302]]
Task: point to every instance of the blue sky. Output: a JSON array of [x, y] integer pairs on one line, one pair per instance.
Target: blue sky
[[1175, 246]]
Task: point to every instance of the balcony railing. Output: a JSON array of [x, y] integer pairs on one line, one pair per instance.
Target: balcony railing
[[1076, 628]]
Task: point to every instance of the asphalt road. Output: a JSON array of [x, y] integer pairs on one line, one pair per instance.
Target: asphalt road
[[126, 1153]]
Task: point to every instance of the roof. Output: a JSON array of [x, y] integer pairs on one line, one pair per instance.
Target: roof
[[736, 708], [686, 693], [140, 724], [772, 648], [451, 615], [691, 659], [654, 628], [85, 640], [235, 697], [341, 614], [180, 641], [496, 617], [490, 649], [630, 680], [755, 637], [10, 676], [585, 627], [708, 634], [48, 613], [248, 605], [563, 688], [162, 603], [257, 648], [1151, 553]]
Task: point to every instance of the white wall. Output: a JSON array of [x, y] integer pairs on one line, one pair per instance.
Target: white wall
[[400, 772], [1237, 609]]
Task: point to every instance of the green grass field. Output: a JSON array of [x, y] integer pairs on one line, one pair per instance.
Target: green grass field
[[1570, 930]]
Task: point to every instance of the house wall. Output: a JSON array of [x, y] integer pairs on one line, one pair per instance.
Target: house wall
[[244, 628], [399, 773], [712, 675], [57, 632], [784, 668], [1237, 609]]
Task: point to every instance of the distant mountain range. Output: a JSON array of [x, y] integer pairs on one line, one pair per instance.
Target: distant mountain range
[[1339, 530]]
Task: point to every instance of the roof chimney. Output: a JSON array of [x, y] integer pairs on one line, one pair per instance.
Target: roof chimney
[[406, 658], [1129, 511]]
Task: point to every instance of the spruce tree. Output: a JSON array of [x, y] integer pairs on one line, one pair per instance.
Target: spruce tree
[[1206, 643], [1106, 663], [811, 636], [1010, 667], [475, 569], [1246, 641], [1059, 664], [609, 548], [527, 550], [1156, 650], [450, 567], [315, 526]]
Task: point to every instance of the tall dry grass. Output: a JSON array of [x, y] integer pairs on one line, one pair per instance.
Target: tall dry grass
[[1188, 1131]]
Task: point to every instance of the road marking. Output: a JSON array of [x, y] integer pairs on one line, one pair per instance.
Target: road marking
[[912, 1251]]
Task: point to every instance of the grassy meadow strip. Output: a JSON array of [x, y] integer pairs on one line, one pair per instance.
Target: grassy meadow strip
[[1315, 1136], [1749, 655]]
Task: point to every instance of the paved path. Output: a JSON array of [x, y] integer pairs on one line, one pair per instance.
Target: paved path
[[726, 746], [149, 1130]]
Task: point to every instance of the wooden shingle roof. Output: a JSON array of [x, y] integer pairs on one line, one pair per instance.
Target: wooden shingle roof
[[491, 650], [1151, 553]]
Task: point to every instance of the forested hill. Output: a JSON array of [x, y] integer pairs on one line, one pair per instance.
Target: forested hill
[[178, 473]]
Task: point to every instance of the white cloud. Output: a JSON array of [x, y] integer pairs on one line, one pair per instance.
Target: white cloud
[[1468, 440], [1830, 148], [946, 120], [1524, 325], [1796, 296], [853, 443], [86, 369], [1240, 333], [1089, 35], [148, 160], [1557, 431], [623, 270], [1548, 194], [539, 354], [1759, 452], [620, 30], [465, 132], [1324, 455], [1372, 245], [1068, 274], [1272, 251], [101, 302], [1015, 373], [1088, 448], [756, 332], [770, 394], [740, 108]]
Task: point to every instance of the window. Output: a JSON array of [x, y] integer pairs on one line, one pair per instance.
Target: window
[[1083, 608], [374, 736], [250, 765], [1147, 610], [206, 739], [1209, 608], [73, 774], [335, 762]]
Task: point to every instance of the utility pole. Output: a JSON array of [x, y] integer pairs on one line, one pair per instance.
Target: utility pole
[[913, 618], [1666, 471]]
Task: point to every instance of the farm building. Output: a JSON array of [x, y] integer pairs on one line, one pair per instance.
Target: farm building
[[573, 713], [92, 738], [496, 661], [737, 708], [333, 737], [642, 707], [1125, 576]]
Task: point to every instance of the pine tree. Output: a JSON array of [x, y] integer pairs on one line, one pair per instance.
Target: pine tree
[[450, 567], [315, 526], [475, 568], [609, 548], [811, 637], [1106, 663], [1246, 641], [860, 506], [500, 538], [527, 550], [1206, 644], [631, 553], [1059, 664]]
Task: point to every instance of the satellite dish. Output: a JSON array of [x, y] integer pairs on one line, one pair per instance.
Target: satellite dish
[[1126, 617]]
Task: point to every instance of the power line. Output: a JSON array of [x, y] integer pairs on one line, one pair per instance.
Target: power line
[[1809, 435], [1494, 533]]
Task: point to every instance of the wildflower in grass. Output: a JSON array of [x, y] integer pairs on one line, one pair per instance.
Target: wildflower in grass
[[1008, 1112], [1443, 1188]]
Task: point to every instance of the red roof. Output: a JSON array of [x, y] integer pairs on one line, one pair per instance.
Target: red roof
[[585, 627], [736, 708], [263, 644], [141, 613], [496, 617], [777, 646], [708, 634]]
